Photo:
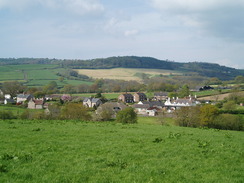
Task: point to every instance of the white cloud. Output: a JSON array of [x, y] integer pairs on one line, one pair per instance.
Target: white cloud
[[130, 32], [219, 18]]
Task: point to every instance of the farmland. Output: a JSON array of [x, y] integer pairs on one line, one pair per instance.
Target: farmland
[[125, 73], [74, 151], [35, 74]]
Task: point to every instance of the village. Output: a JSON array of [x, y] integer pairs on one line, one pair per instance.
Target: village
[[142, 105]]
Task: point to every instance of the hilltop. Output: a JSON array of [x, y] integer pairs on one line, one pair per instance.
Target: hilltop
[[200, 68]]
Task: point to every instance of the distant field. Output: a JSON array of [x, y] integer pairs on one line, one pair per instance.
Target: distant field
[[125, 73], [74, 151], [217, 97], [35, 75]]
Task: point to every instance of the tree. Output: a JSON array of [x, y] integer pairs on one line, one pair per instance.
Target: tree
[[228, 122], [38, 94], [75, 111], [68, 88], [54, 111], [239, 79], [188, 116], [61, 78], [184, 91], [207, 114], [13, 88], [127, 115], [51, 87], [105, 112], [230, 105]]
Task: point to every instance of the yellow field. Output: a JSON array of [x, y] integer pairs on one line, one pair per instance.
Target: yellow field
[[124, 73]]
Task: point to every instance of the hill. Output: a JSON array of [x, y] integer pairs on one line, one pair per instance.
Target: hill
[[76, 151], [201, 68]]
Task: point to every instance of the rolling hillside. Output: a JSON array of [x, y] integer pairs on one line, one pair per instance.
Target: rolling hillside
[[200, 68]]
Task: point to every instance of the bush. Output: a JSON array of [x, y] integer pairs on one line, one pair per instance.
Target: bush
[[127, 115], [228, 122], [188, 116], [75, 111], [7, 115]]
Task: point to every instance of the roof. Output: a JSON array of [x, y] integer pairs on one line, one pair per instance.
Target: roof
[[115, 104], [153, 103], [183, 101], [93, 100], [39, 102], [141, 94], [153, 108], [10, 100], [127, 95], [24, 95], [142, 106]]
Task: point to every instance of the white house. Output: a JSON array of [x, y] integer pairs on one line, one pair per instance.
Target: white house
[[23, 97], [172, 104], [92, 102]]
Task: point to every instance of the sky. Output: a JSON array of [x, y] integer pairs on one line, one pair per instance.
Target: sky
[[177, 30]]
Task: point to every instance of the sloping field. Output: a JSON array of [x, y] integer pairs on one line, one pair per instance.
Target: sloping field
[[75, 151], [35, 75], [218, 97], [125, 73]]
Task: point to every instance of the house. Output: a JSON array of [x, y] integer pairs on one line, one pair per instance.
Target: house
[[203, 88], [153, 111], [157, 104], [126, 98], [141, 108], [92, 102], [7, 96], [23, 97], [36, 104], [9, 101], [160, 96], [149, 108], [173, 104], [139, 97]]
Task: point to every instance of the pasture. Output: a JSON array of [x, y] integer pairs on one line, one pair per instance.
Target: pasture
[[35, 75], [125, 73], [75, 151]]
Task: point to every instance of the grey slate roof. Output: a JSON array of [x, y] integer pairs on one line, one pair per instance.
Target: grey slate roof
[[24, 96]]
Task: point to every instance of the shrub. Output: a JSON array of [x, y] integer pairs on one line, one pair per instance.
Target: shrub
[[188, 116], [207, 114], [75, 111], [6, 115], [127, 115], [228, 122]]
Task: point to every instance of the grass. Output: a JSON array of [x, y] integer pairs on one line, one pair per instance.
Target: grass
[[35, 75], [72, 151], [125, 73], [16, 110]]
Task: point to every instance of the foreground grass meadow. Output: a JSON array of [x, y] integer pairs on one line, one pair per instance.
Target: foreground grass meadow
[[74, 151]]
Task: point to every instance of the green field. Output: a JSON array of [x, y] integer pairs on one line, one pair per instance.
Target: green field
[[73, 151], [35, 75]]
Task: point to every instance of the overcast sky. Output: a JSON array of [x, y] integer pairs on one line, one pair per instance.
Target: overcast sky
[[178, 30]]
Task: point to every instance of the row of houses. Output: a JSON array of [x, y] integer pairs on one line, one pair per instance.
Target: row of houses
[[142, 105]]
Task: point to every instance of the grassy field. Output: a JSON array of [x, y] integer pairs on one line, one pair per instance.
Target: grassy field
[[35, 75], [124, 73], [72, 151], [218, 97]]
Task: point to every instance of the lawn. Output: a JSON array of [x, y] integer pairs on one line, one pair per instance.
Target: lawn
[[73, 151]]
